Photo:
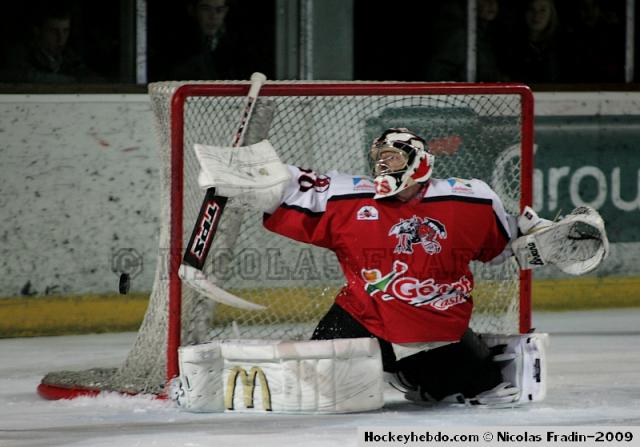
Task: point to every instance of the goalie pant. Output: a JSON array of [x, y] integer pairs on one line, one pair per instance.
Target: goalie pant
[[406, 266]]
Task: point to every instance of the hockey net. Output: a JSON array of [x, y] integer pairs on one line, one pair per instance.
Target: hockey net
[[323, 126]]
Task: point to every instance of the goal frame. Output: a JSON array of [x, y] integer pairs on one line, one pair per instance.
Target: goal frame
[[186, 91]]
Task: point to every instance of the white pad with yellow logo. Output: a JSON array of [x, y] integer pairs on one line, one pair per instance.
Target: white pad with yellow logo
[[323, 376]]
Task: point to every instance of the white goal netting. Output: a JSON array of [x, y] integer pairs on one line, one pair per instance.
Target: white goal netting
[[323, 126]]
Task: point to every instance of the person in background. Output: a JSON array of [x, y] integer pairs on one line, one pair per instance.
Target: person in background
[[539, 54], [490, 38], [598, 41], [210, 16], [449, 62], [209, 48], [47, 56]]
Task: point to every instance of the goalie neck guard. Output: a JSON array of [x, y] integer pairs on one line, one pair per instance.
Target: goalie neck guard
[[399, 159]]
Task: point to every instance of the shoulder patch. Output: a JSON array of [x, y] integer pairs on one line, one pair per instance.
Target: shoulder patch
[[362, 184], [347, 185], [460, 185]]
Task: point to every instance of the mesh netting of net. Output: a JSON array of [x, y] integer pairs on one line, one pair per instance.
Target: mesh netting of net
[[298, 282]]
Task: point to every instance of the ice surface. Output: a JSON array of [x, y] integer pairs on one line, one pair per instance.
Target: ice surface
[[594, 379]]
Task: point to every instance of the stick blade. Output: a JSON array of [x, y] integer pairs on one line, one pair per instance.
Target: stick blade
[[197, 280]]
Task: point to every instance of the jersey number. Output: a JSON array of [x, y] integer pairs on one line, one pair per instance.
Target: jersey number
[[309, 180]]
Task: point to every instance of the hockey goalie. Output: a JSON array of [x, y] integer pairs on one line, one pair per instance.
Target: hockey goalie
[[405, 242]]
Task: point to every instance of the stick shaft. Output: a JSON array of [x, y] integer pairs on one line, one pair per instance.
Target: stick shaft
[[213, 205], [257, 80]]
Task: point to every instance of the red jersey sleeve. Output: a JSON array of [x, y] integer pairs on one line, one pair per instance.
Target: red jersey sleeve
[[498, 234], [302, 213]]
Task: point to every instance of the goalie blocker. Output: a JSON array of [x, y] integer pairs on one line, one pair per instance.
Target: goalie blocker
[[325, 376]]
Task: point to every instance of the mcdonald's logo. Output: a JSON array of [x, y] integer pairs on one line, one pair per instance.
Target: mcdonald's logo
[[248, 382]]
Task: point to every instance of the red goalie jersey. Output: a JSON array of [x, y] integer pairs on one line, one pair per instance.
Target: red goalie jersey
[[406, 263]]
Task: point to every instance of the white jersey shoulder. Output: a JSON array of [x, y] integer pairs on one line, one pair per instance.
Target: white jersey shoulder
[[455, 186], [312, 191], [471, 190]]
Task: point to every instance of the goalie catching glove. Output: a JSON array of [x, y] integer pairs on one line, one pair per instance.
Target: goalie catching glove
[[576, 244], [251, 176]]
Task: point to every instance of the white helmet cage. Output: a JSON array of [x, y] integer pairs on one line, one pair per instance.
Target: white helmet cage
[[417, 167]]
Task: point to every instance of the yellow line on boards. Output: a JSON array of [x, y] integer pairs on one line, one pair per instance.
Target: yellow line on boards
[[586, 293], [59, 315]]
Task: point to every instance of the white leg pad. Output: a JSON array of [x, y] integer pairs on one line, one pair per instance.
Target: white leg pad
[[200, 381], [323, 376], [525, 363]]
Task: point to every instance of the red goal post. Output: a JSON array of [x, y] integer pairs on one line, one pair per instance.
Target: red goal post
[[321, 125]]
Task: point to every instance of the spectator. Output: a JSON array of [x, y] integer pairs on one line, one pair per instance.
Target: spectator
[[489, 41], [538, 54], [449, 62], [597, 40], [47, 56], [211, 51]]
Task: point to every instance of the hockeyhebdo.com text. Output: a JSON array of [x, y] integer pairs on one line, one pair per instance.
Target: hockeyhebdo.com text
[[308, 264]]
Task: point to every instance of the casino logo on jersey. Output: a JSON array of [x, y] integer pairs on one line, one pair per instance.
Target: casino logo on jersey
[[425, 232], [415, 292]]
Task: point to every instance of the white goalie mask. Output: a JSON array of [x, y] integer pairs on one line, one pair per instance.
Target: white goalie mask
[[399, 159]]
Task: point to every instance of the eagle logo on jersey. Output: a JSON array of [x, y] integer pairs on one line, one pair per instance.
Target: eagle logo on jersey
[[425, 232]]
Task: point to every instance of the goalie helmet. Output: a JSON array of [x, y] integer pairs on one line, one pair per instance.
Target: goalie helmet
[[399, 159]]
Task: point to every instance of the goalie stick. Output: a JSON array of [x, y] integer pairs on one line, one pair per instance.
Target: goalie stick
[[206, 225]]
